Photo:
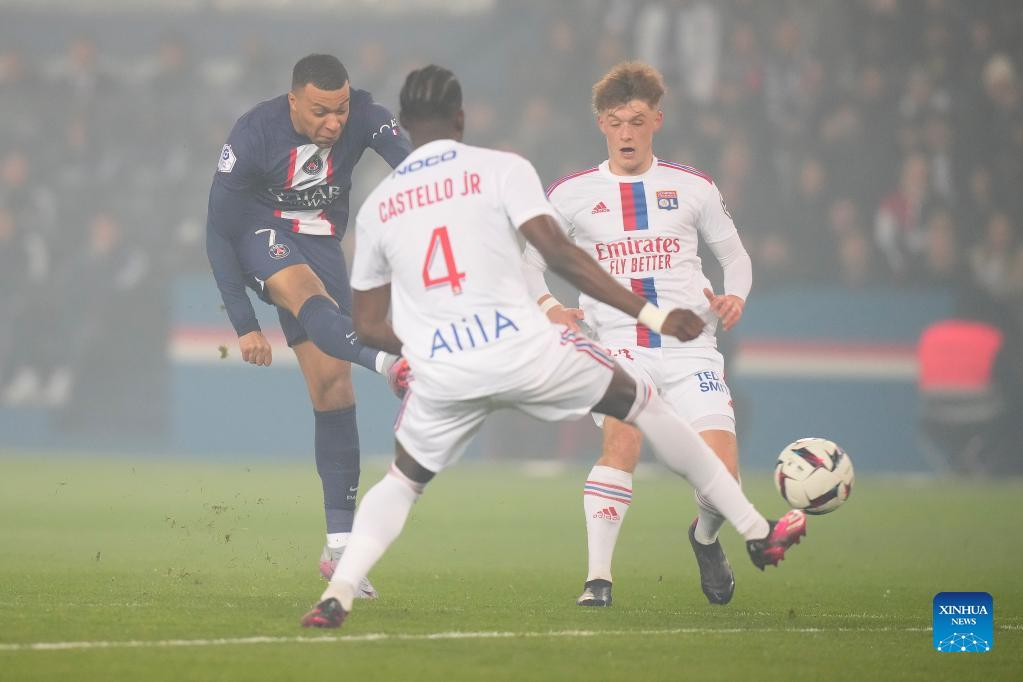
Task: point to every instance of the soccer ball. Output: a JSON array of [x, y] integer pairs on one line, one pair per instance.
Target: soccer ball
[[814, 474]]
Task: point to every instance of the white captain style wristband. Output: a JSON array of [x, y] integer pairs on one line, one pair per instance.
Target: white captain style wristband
[[652, 317], [548, 303]]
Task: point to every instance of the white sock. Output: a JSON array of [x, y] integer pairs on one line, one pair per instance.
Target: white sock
[[708, 521], [607, 495], [378, 523], [337, 540], [682, 450]]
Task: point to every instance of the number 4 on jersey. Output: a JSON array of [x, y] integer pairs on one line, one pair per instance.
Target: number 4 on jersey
[[439, 240]]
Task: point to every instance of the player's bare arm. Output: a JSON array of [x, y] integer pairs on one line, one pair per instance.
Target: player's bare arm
[[572, 263], [369, 309]]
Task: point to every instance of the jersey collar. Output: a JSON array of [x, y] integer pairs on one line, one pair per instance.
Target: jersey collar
[[605, 170]]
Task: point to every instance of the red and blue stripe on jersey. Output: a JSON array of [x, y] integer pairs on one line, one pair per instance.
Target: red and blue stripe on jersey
[[634, 214], [645, 287], [634, 217]]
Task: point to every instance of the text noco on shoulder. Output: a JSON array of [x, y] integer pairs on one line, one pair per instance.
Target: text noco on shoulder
[[420, 164]]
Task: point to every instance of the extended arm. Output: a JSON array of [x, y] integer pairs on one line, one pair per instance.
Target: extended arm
[[225, 217], [572, 263], [227, 271]]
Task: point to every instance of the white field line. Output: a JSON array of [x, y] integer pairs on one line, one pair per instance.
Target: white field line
[[398, 637], [435, 636]]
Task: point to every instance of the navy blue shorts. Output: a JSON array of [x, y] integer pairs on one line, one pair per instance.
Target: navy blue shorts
[[267, 251]]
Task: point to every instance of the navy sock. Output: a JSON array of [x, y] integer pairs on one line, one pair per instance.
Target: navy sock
[[333, 332], [337, 461]]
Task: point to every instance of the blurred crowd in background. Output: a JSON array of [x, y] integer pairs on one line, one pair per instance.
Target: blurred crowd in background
[[858, 143]]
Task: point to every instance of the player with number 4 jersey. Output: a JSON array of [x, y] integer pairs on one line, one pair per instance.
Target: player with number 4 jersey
[[642, 218], [437, 241]]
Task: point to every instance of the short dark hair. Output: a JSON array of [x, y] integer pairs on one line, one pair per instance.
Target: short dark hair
[[431, 92], [325, 71]]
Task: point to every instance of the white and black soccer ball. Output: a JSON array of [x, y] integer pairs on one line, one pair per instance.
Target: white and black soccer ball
[[814, 474]]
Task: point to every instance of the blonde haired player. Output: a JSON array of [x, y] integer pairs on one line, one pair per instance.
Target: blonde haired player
[[641, 218], [438, 237]]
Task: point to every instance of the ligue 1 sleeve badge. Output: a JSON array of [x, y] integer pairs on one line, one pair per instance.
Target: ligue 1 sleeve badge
[[963, 622], [227, 159]]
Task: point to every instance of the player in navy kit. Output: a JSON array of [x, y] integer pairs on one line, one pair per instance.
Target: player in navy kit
[[278, 208]]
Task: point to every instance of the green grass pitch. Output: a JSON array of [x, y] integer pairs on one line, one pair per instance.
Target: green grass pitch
[[483, 581]]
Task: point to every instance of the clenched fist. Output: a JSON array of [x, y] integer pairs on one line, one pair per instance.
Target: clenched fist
[[255, 349]]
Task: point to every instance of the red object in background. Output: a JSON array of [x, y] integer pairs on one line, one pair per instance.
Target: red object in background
[[958, 355]]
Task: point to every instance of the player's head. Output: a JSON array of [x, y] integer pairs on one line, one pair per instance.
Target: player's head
[[319, 98], [627, 101], [431, 105]]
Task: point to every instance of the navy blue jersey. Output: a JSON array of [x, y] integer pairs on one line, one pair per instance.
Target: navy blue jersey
[[291, 183], [270, 176]]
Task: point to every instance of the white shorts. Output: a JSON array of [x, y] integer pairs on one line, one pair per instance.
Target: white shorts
[[571, 375], [691, 380]]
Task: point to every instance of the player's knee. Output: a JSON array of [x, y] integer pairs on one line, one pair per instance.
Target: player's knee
[[619, 397], [724, 444], [621, 447], [332, 391], [293, 286], [409, 468]]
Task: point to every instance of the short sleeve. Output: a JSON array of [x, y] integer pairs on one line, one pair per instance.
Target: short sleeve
[[522, 193], [370, 267], [715, 221]]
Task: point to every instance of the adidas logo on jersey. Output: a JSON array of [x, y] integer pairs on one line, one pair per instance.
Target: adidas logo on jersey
[[600, 208], [609, 513]]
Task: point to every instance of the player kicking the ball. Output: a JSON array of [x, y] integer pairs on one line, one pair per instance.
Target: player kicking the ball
[[439, 237], [642, 218]]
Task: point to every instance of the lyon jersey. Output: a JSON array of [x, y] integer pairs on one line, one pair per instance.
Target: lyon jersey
[[644, 230], [441, 230]]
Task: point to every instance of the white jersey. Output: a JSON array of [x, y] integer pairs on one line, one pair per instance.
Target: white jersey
[[644, 230], [441, 230]]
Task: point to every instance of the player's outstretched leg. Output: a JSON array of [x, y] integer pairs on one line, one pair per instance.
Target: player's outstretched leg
[[784, 533], [682, 450], [333, 332]]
